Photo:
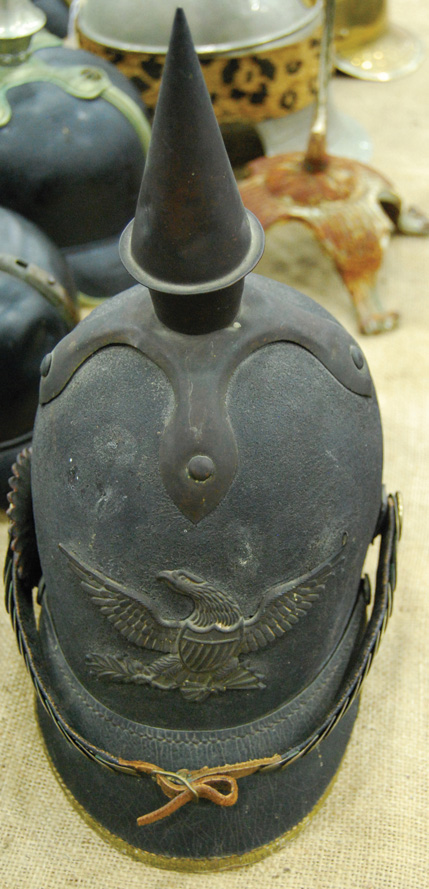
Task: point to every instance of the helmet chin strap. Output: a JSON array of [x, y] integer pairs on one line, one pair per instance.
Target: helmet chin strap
[[219, 784], [44, 283]]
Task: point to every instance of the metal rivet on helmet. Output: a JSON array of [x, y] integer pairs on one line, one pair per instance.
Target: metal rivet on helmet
[[201, 468]]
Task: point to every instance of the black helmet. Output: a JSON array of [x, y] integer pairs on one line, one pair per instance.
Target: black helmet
[[205, 479], [37, 308], [73, 136]]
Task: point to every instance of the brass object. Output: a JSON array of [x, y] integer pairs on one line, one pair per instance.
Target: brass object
[[369, 46], [20, 19]]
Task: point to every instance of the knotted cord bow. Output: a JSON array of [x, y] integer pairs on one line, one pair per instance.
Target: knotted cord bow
[[183, 786]]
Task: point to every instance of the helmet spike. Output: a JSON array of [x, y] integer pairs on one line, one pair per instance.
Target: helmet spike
[[191, 234]]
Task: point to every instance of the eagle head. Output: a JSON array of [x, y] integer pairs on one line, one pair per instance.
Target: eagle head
[[211, 605], [182, 581]]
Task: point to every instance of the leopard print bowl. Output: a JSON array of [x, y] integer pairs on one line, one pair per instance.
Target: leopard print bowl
[[251, 75]]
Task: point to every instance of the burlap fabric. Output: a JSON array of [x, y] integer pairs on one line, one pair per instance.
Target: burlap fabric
[[372, 831]]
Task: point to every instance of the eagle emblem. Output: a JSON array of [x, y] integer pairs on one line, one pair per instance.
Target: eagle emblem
[[201, 652]]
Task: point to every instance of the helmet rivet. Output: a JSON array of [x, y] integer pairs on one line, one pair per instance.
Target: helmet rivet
[[91, 74], [201, 467], [357, 357], [46, 364]]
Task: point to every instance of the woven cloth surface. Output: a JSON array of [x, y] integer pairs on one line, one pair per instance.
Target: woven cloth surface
[[371, 833]]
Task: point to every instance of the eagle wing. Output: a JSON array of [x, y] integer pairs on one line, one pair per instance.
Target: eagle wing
[[284, 604], [130, 615]]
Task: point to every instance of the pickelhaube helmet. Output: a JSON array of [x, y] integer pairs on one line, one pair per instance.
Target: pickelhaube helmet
[[205, 482], [37, 308], [73, 137]]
